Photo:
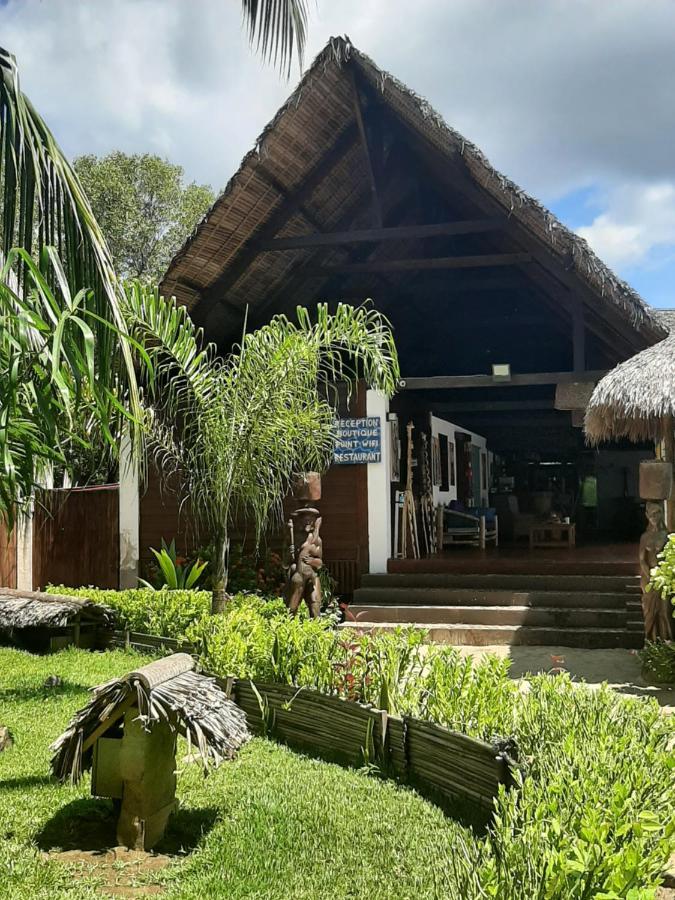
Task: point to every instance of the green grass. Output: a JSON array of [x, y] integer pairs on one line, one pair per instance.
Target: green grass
[[272, 824]]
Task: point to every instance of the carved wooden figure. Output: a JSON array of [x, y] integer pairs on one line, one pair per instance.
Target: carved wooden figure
[[306, 548], [654, 608]]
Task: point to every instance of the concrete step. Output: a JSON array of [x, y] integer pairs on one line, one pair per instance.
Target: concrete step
[[449, 596], [485, 635], [493, 582], [551, 616]]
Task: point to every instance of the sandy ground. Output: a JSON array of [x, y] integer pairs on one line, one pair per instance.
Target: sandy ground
[[619, 668]]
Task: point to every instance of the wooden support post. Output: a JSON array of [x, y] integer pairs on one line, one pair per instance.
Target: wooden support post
[[148, 769], [669, 456], [358, 113]]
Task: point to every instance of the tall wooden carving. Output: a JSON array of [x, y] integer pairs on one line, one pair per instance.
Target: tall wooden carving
[[306, 549], [655, 487]]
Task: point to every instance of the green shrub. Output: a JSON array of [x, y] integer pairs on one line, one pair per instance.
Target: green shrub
[[663, 573], [163, 613], [658, 661], [593, 815]]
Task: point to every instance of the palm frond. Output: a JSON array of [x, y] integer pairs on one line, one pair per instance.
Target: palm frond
[[278, 28], [44, 205]]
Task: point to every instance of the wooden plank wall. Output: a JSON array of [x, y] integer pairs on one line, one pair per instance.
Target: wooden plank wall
[[76, 537], [7, 557]]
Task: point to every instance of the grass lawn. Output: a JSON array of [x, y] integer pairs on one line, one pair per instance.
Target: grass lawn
[[272, 824]]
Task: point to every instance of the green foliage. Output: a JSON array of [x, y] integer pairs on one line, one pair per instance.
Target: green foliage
[[175, 573], [250, 422], [165, 613], [658, 661], [261, 571], [663, 574], [44, 205], [271, 824], [144, 208]]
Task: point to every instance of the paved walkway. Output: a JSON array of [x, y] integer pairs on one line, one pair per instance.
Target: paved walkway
[[619, 668]]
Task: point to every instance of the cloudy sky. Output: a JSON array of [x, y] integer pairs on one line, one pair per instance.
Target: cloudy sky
[[573, 99]]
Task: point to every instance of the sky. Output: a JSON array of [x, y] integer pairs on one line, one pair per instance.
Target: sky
[[572, 99]]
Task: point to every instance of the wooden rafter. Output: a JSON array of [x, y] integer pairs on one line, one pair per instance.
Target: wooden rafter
[[366, 235], [482, 261], [443, 382], [218, 288], [358, 114]]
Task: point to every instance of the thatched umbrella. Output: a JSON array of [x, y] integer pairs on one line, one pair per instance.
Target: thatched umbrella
[[636, 400]]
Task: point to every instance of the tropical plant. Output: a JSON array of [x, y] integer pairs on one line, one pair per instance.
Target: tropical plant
[[175, 573], [69, 295], [237, 430], [278, 28]]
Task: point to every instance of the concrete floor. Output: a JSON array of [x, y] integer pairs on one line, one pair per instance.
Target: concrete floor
[[619, 668]]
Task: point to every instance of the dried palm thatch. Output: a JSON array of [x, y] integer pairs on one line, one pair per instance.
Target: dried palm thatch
[[34, 609], [302, 135], [167, 690], [635, 399]]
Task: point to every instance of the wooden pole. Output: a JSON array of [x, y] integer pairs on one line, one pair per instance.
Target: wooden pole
[[668, 454]]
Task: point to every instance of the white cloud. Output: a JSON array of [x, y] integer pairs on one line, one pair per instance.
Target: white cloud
[[559, 94], [637, 227]]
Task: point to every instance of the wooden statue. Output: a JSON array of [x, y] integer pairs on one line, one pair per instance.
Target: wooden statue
[[306, 549], [654, 607]]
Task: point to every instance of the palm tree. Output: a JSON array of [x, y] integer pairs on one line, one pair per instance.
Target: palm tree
[[74, 295], [70, 294], [237, 430]]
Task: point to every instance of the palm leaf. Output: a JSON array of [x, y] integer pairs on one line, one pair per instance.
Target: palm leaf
[[44, 205], [278, 28]]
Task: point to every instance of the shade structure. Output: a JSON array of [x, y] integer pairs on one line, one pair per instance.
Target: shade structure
[[636, 400]]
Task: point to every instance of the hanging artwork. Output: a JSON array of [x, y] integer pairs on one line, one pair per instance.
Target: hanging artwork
[[395, 448], [435, 460], [451, 458]]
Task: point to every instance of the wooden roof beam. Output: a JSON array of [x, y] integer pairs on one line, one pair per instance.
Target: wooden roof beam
[[358, 115], [401, 232], [482, 261], [444, 382]]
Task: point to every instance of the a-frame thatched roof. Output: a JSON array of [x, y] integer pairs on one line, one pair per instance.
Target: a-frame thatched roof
[[308, 173]]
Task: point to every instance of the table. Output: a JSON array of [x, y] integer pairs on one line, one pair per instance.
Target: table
[[553, 534]]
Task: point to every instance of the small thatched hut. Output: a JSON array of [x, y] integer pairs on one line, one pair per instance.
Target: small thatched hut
[[127, 734], [165, 691], [46, 622]]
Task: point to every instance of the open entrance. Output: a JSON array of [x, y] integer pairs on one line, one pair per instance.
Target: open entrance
[[512, 482]]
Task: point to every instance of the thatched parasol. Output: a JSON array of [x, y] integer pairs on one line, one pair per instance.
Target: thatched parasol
[[636, 400]]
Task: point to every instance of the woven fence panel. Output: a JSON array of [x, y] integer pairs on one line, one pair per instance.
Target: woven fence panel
[[309, 720], [453, 763]]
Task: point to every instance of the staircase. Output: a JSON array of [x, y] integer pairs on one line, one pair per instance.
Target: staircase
[[570, 610]]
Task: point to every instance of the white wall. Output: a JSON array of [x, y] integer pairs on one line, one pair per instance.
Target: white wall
[[379, 490], [442, 426]]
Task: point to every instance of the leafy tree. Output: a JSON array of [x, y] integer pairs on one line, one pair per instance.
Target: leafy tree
[[237, 430], [143, 207]]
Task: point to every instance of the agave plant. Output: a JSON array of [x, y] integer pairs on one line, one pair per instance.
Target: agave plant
[[175, 573]]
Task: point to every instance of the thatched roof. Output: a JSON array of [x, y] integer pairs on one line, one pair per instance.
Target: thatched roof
[[169, 690], [35, 609], [217, 272], [632, 400]]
